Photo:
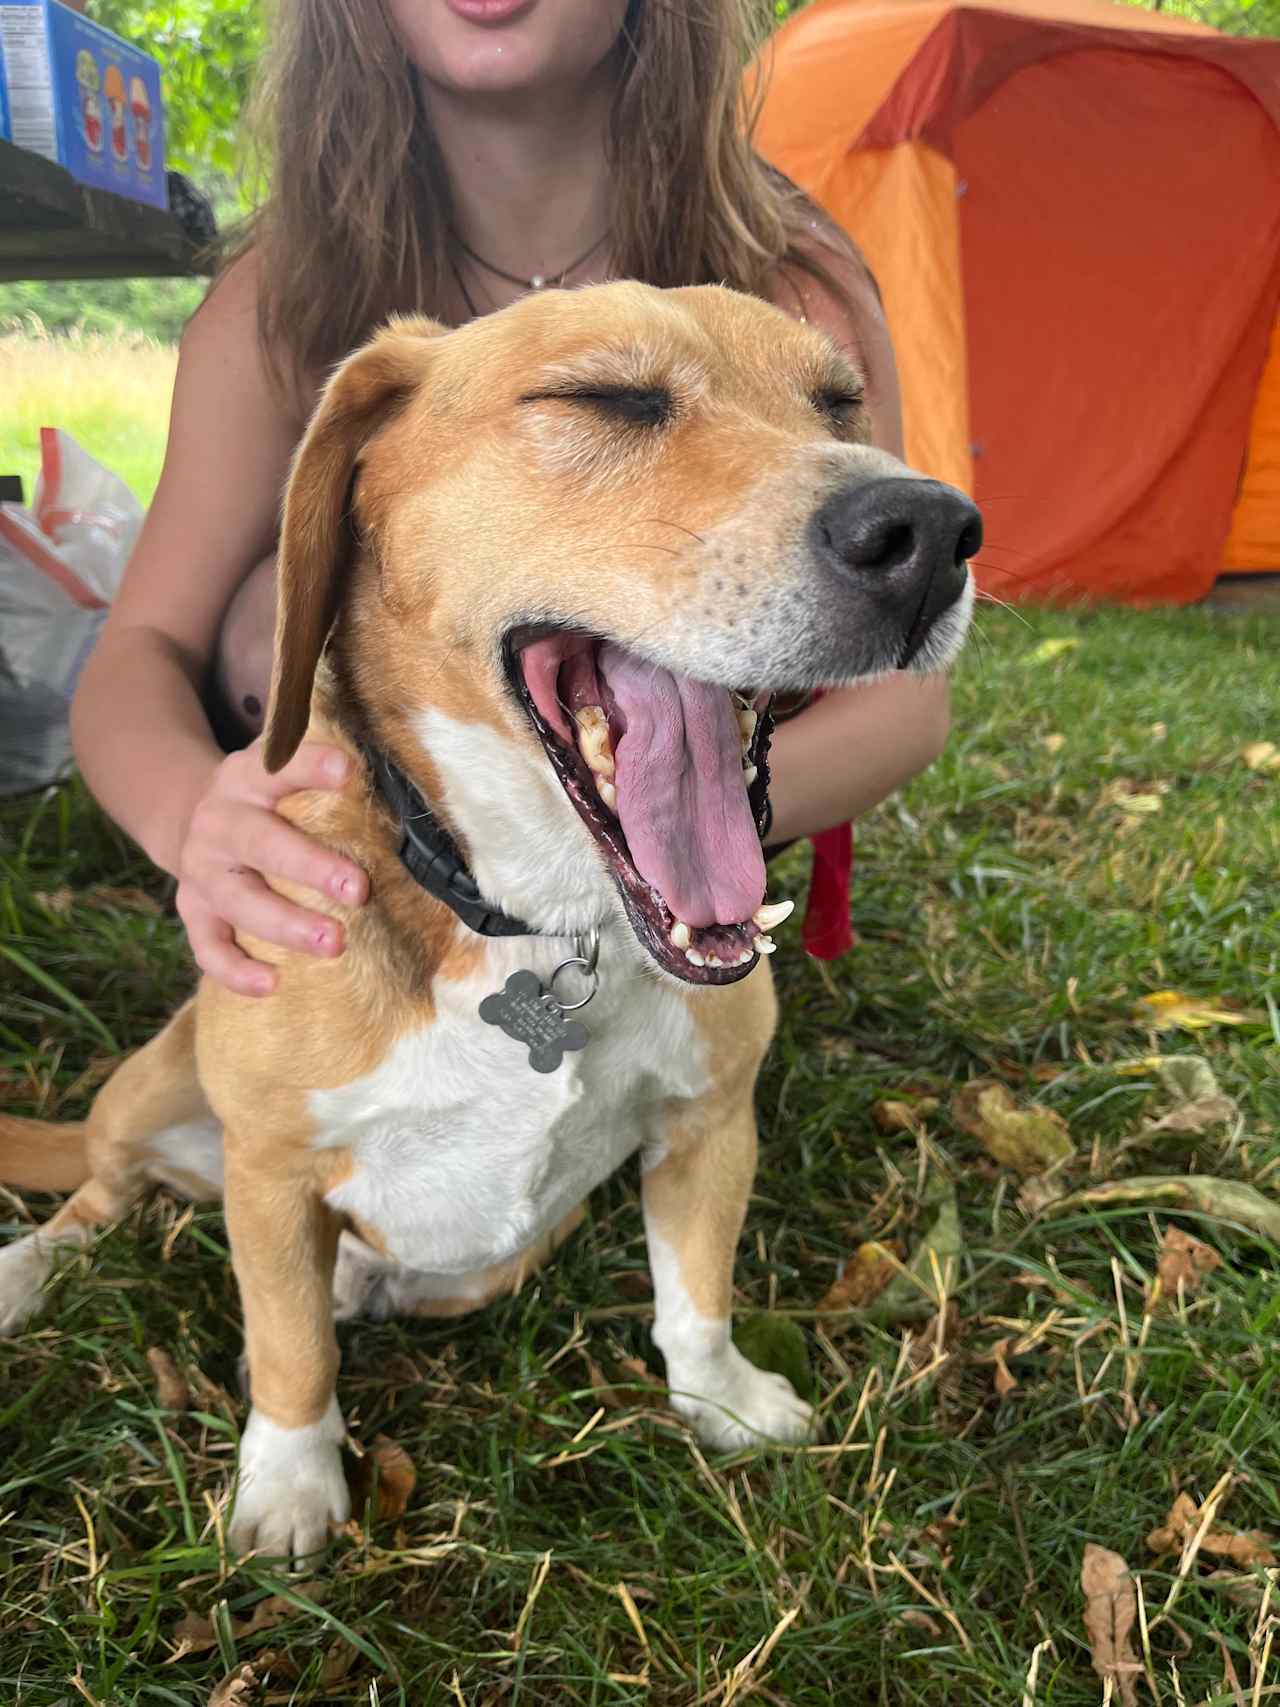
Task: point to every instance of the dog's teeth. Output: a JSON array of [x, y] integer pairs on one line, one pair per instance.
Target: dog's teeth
[[749, 774], [744, 957], [714, 960], [765, 945], [608, 793], [593, 739], [681, 935], [693, 957], [773, 913], [747, 727]]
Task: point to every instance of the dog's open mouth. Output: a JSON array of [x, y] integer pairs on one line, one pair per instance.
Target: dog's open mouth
[[671, 777]]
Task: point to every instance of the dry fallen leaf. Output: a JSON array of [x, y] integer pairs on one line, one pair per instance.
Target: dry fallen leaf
[[1029, 1140], [1199, 1116], [238, 1689], [1246, 1547], [1261, 756], [917, 1620], [172, 1392], [1184, 1262], [1110, 1612], [396, 1479], [863, 1277], [894, 1114], [1167, 1010], [194, 1634], [1227, 1199], [1006, 1382], [1055, 743]]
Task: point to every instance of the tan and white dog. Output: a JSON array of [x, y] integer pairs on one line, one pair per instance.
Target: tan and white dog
[[547, 566]]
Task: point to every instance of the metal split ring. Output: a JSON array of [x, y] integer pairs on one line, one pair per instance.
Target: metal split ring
[[588, 954]]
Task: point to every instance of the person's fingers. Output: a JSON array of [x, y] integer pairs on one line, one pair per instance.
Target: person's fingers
[[271, 844], [243, 900], [314, 765], [218, 954]]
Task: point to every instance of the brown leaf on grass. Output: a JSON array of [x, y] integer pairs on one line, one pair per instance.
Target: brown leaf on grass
[[1028, 1140], [917, 1620], [903, 1114], [238, 1689], [1228, 1199], [337, 1663], [1246, 1548], [1184, 1262], [1110, 1613], [1005, 1381], [194, 1634], [172, 1392], [396, 1479], [639, 1388], [863, 1277], [1199, 1116]]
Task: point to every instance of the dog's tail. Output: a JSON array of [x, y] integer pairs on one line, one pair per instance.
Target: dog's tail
[[42, 1155]]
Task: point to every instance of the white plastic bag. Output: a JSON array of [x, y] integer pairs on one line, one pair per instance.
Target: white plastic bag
[[60, 564]]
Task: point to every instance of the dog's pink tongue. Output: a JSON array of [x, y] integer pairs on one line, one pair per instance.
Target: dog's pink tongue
[[681, 798]]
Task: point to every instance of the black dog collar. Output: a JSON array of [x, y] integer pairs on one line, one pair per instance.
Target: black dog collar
[[430, 855]]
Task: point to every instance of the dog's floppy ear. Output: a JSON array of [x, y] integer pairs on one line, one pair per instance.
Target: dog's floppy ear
[[315, 536]]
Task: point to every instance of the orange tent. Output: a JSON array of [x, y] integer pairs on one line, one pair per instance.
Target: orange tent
[[1073, 210]]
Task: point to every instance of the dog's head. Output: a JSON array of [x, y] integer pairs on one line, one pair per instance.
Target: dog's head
[[567, 551]]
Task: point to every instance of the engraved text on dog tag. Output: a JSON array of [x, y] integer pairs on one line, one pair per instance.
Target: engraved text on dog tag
[[532, 1016]]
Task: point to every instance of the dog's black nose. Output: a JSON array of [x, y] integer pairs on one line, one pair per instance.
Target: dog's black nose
[[900, 528]]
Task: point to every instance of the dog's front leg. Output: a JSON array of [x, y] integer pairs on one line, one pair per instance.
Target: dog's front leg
[[283, 1244], [696, 1184]]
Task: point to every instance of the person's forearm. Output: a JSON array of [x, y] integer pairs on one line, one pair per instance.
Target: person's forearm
[[852, 749], [142, 739]]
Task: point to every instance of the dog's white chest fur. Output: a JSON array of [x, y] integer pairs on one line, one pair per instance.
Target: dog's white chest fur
[[463, 1155]]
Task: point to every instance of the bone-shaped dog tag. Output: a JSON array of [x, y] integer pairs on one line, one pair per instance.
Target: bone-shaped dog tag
[[531, 1015]]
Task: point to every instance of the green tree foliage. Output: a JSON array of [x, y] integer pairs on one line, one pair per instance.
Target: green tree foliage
[[207, 50]]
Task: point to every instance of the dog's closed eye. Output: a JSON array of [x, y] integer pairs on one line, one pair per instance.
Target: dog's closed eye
[[637, 406], [841, 409]]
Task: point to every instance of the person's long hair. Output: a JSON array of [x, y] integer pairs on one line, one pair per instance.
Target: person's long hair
[[357, 222]]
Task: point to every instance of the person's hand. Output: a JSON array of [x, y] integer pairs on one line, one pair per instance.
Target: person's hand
[[234, 836]]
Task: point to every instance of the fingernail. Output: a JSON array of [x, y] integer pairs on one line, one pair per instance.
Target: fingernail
[[347, 888]]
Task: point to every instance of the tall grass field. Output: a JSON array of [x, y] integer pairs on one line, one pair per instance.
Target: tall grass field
[[1016, 1229], [111, 392]]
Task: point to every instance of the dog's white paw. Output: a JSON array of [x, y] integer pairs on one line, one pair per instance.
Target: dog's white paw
[[25, 1266], [731, 1403], [291, 1487]]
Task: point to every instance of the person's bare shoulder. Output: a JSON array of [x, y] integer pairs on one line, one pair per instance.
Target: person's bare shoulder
[[836, 292]]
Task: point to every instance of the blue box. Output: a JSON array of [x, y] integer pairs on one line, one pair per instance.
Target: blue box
[[79, 95], [5, 132]]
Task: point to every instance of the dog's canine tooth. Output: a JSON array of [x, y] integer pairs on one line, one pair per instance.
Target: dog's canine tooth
[[765, 945], [747, 726], [681, 935], [607, 792], [749, 774], [744, 957], [694, 958], [593, 739], [772, 913]]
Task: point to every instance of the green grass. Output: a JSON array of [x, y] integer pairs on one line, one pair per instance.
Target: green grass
[[1011, 910], [110, 391]]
